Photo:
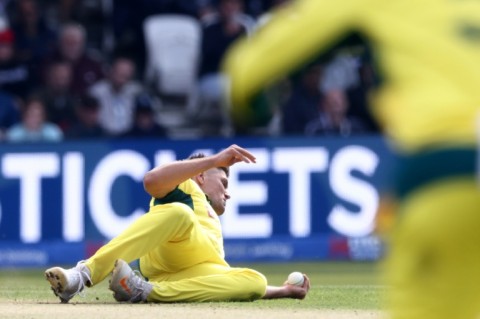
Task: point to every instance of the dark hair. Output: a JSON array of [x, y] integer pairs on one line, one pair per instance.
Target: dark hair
[[88, 102], [143, 103], [201, 155]]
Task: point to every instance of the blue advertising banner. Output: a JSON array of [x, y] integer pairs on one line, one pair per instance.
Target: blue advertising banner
[[301, 195]]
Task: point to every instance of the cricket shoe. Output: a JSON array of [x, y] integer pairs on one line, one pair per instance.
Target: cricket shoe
[[127, 285], [66, 283]]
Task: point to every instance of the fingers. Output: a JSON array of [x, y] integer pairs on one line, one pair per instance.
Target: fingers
[[242, 155], [306, 282], [234, 154]]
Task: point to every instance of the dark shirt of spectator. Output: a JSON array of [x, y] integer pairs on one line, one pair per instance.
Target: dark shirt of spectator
[[15, 76], [333, 118], [57, 96], [87, 126], [9, 112], [303, 104], [86, 65], [34, 40], [219, 34], [144, 120]]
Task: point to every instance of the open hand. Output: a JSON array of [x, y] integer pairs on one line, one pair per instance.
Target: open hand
[[232, 155]]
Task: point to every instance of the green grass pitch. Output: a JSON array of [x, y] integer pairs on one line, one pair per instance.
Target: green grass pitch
[[335, 285]]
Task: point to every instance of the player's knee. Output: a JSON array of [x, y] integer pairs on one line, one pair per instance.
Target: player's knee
[[256, 286]]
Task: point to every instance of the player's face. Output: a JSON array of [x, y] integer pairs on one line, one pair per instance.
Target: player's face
[[215, 187]]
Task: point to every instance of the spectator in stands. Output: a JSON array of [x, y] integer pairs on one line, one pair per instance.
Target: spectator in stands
[[127, 27], [86, 65], [303, 103], [57, 95], [87, 126], [333, 118], [116, 95], [93, 15], [34, 40], [15, 76], [219, 32], [207, 12], [144, 124], [350, 71], [34, 127], [128, 16], [9, 112]]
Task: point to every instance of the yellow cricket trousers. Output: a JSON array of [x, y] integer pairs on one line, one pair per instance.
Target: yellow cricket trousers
[[434, 265], [178, 257]]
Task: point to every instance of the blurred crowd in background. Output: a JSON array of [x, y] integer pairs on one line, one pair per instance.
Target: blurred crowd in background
[[83, 69]]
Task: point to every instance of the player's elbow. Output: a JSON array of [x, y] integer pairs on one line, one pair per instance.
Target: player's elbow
[[150, 184], [157, 184]]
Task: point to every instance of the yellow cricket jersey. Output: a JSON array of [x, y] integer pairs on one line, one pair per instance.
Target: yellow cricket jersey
[[428, 53], [190, 194]]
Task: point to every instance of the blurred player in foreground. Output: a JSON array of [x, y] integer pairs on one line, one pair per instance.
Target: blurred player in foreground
[[428, 54], [179, 243]]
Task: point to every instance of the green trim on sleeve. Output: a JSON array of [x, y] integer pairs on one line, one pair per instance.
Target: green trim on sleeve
[[431, 166], [177, 195]]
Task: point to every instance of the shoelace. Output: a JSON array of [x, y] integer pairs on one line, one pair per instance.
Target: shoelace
[[84, 277], [73, 276]]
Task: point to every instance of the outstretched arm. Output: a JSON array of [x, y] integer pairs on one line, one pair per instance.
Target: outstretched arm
[[162, 179], [288, 291], [295, 35]]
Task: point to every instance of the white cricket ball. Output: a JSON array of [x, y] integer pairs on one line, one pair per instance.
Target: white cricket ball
[[295, 278]]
